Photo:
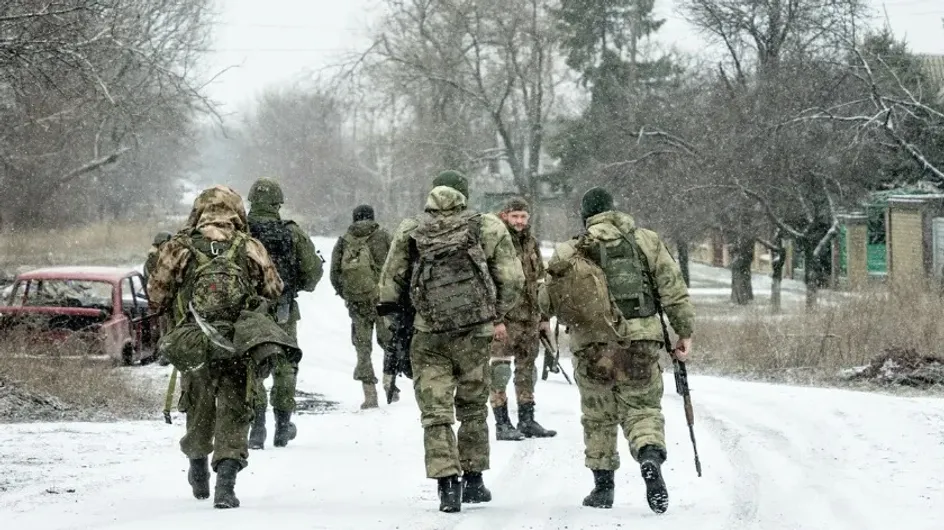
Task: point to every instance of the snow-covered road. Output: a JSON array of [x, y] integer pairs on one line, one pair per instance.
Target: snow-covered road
[[774, 457]]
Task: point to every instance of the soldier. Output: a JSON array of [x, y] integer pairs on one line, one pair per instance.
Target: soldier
[[460, 271], [300, 268], [356, 262], [523, 324], [616, 356], [159, 240], [218, 281]]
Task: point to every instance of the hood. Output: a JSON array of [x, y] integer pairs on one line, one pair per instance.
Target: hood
[[363, 228], [444, 199], [217, 211], [610, 226]]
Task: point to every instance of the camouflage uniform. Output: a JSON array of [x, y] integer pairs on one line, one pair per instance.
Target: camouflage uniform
[[450, 369], [364, 314], [216, 396], [621, 384], [521, 347], [265, 200]]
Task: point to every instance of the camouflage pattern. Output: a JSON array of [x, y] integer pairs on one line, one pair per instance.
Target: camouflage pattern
[[450, 381], [266, 191], [532, 265], [610, 227], [217, 213], [364, 317], [503, 265], [218, 413], [620, 387], [450, 370], [522, 348], [218, 398], [310, 272], [150, 262]]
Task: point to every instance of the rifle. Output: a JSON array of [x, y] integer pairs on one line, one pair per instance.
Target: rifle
[[553, 355], [397, 359]]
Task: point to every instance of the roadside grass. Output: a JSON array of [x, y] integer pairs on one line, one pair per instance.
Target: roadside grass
[[815, 346]]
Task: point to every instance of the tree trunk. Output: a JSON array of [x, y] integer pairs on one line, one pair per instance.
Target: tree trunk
[[742, 290], [776, 277], [682, 247], [812, 272]]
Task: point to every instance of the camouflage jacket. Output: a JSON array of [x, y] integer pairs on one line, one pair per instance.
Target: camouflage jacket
[[378, 242], [532, 265], [609, 227], [499, 251], [217, 213], [150, 262]]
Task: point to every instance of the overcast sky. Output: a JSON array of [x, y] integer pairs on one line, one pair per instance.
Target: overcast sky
[[272, 42]]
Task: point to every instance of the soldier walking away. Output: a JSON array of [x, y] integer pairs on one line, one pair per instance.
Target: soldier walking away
[[300, 268], [523, 324], [159, 239], [460, 270], [356, 262], [218, 282], [610, 286]]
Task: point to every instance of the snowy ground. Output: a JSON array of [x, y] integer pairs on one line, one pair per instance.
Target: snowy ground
[[774, 457]]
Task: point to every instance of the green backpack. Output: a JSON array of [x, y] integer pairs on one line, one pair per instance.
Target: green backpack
[[451, 287], [627, 276], [217, 279], [358, 274]]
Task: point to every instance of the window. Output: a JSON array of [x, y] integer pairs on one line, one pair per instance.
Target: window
[[69, 293]]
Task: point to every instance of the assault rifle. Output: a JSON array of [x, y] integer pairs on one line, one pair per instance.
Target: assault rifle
[[397, 358], [551, 359], [681, 386]]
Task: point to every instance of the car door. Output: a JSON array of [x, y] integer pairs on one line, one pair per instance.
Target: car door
[[146, 322]]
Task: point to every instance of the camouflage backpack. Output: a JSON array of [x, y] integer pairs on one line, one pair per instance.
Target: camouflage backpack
[[217, 280], [627, 275], [358, 275], [578, 294], [451, 287], [276, 236]]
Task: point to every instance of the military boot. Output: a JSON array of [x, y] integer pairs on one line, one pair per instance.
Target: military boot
[[285, 430], [504, 430], [257, 434], [388, 381], [450, 494], [370, 396], [603, 489], [223, 495], [473, 488], [199, 477], [527, 426], [650, 465]]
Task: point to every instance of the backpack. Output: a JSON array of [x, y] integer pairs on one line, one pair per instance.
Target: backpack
[[276, 236], [358, 272], [579, 296], [627, 276], [217, 280], [451, 287]]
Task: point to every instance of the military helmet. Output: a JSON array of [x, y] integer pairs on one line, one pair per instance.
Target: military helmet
[[266, 191], [161, 238]]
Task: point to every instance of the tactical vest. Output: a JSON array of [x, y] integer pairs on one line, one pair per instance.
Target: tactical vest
[[627, 276], [451, 287], [276, 236]]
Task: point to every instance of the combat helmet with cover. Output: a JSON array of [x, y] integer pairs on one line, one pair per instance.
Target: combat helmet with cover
[[266, 191], [161, 237]]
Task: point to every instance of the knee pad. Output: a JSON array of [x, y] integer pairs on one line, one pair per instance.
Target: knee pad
[[501, 374]]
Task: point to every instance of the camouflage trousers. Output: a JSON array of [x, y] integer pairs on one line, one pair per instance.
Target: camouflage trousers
[[363, 321], [619, 387], [451, 380], [522, 348], [216, 400], [284, 378]]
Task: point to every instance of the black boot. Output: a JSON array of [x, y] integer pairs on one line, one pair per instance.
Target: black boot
[[603, 490], [473, 488], [650, 464], [504, 430], [223, 495], [450, 494], [257, 434], [527, 426], [199, 477], [284, 429]]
